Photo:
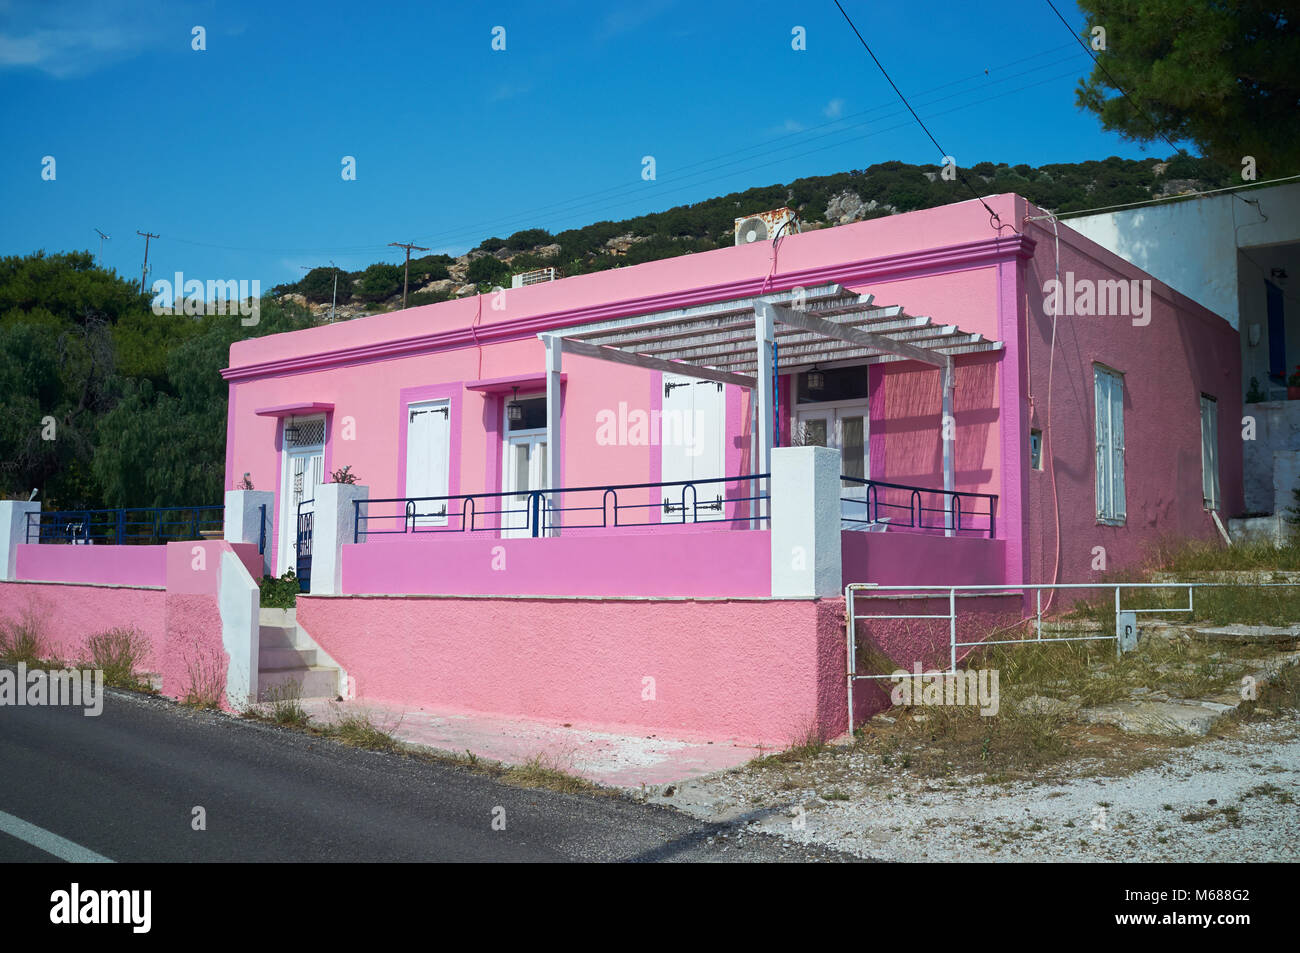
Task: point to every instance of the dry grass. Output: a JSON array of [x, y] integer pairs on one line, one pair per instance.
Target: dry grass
[[23, 639], [207, 681], [119, 653], [286, 705]]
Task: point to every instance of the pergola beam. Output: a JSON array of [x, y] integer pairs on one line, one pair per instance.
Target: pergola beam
[[583, 349], [830, 329]]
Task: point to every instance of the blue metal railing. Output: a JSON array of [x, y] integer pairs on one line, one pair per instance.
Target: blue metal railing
[[133, 526], [966, 517], [537, 511]]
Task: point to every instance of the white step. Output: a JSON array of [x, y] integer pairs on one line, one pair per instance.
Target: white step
[[316, 681], [274, 657]]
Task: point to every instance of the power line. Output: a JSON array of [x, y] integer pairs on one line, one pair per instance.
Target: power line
[[993, 216], [572, 204], [1115, 83], [1167, 198]]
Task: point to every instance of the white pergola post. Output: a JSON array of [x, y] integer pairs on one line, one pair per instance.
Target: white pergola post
[[764, 334], [949, 438], [554, 361]]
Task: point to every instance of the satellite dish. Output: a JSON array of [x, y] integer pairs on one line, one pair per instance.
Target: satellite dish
[[752, 230]]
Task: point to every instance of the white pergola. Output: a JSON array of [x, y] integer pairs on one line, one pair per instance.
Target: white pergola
[[738, 342]]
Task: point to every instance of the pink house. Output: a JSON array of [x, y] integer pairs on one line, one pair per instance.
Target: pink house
[[604, 499]]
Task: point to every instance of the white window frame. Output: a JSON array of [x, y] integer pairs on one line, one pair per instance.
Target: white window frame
[[1210, 497], [1108, 438]]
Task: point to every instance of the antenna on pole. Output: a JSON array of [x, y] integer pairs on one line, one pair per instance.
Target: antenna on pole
[[102, 238], [144, 269], [406, 273]]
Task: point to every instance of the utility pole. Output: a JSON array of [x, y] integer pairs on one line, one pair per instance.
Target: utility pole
[[407, 273], [102, 237], [334, 300], [144, 270]]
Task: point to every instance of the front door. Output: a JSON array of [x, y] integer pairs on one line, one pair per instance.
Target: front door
[[428, 459], [304, 471]]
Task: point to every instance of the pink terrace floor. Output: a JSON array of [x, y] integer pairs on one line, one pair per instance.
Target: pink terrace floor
[[618, 760]]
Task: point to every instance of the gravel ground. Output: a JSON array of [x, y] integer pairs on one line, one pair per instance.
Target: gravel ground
[[1229, 799]]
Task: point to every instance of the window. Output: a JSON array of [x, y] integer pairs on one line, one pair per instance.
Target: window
[[1210, 452], [1108, 396], [839, 383], [534, 410], [1036, 449]]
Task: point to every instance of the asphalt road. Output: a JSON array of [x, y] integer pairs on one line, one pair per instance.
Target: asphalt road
[[124, 786]]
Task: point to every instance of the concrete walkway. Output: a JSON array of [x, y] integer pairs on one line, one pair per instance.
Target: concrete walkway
[[617, 759]]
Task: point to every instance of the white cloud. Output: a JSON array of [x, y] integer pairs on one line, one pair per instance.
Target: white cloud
[[834, 109], [74, 39]]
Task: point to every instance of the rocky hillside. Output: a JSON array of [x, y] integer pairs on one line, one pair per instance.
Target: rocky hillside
[[821, 201]]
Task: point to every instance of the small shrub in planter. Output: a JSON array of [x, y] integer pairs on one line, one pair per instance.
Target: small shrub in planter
[[343, 475], [280, 593]]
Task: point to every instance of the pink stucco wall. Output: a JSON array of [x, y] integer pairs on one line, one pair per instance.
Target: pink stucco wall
[[760, 670], [669, 561], [915, 559], [70, 614], [97, 565], [1184, 351]]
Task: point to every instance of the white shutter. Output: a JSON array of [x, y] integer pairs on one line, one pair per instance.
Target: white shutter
[[1210, 452], [1118, 508], [428, 447], [1101, 402]]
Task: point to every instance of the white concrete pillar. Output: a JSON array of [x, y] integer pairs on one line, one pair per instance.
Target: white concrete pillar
[[13, 530], [245, 522], [806, 522], [333, 525], [764, 335], [554, 436], [239, 599]]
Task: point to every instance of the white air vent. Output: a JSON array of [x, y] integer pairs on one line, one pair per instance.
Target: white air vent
[[532, 277], [765, 226]]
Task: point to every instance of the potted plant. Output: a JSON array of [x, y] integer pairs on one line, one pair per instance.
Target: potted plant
[[1293, 385]]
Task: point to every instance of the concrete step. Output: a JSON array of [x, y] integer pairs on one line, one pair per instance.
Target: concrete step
[[270, 658], [315, 681], [281, 637]]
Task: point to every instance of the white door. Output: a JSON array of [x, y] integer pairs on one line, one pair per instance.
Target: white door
[[845, 429], [304, 471], [525, 471], [428, 460], [692, 441]]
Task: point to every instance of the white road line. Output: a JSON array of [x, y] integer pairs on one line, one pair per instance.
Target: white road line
[[51, 843]]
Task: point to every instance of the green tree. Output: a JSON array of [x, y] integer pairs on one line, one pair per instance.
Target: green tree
[[487, 270], [1225, 76], [378, 282]]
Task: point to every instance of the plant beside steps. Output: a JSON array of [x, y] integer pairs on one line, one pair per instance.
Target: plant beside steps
[[287, 655]]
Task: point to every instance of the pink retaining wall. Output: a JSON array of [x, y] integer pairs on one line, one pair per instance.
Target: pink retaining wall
[[70, 614], [920, 559], [752, 670], [666, 562], [95, 565]]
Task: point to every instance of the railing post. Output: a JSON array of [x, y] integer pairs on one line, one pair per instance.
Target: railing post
[[535, 512], [952, 629], [119, 536]]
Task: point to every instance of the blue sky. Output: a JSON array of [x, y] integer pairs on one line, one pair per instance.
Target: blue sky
[[233, 154]]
